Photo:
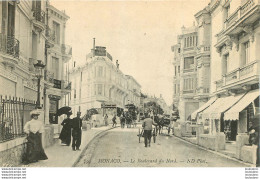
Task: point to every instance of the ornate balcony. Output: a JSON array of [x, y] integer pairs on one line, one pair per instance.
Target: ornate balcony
[[39, 19], [244, 16], [246, 75], [66, 52], [10, 48]]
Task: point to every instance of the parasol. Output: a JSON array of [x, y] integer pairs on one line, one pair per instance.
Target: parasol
[[63, 110]]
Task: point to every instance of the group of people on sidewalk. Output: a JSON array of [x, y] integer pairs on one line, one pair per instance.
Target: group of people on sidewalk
[[34, 129], [71, 127]]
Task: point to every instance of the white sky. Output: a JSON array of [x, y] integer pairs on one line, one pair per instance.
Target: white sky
[[139, 34]]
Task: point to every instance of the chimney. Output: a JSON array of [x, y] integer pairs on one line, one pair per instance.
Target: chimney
[[94, 45]]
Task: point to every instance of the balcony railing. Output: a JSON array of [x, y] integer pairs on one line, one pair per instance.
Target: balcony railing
[[188, 91], [66, 49], [239, 74], [204, 48], [188, 70], [9, 45], [245, 7], [39, 15]]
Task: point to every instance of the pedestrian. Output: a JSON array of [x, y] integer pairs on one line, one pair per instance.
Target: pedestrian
[[76, 132], [114, 121], [65, 135], [106, 120], [122, 120], [148, 126], [34, 129]]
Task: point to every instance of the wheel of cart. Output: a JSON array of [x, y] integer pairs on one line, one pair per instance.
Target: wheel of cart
[[140, 134]]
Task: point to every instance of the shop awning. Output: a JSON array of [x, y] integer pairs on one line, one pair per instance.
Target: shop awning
[[203, 107], [233, 113], [219, 106]]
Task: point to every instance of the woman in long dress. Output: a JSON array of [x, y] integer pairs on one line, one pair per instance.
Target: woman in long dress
[[65, 135], [34, 128]]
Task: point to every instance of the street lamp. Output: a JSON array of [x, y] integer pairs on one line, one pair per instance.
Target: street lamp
[[38, 66]]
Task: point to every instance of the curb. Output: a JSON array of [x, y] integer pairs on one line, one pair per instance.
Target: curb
[[214, 152], [86, 147]]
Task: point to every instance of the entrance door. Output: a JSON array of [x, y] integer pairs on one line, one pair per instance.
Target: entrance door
[[53, 119], [233, 134]]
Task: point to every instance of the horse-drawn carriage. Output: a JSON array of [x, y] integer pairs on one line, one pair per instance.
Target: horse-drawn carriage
[[163, 121]]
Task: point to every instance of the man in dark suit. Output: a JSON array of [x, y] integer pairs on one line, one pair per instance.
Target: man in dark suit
[[76, 132], [148, 126]]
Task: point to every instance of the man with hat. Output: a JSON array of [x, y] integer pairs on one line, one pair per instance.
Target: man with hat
[[76, 132]]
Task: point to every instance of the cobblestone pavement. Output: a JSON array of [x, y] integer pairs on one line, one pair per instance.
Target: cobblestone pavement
[[120, 148]]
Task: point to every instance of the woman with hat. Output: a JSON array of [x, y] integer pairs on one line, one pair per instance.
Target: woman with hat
[[34, 128], [65, 135]]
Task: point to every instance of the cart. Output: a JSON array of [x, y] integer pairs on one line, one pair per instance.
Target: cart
[[141, 134]]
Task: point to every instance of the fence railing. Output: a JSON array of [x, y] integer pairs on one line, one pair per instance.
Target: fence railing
[[14, 113]]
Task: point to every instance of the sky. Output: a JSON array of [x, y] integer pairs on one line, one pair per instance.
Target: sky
[[139, 34]]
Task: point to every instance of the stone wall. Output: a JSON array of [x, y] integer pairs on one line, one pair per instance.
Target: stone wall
[[11, 152]]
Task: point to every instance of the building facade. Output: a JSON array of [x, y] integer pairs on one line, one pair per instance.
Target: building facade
[[28, 37], [233, 108], [236, 61], [58, 54], [185, 72], [100, 82]]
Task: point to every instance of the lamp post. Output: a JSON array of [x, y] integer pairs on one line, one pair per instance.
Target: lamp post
[[38, 66]]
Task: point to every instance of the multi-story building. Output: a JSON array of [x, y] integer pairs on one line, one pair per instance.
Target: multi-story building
[[185, 71], [191, 79], [25, 39], [58, 53], [134, 91], [234, 76], [100, 82], [236, 66]]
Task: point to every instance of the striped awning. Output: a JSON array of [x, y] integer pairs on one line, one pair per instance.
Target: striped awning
[[233, 113], [203, 107], [219, 106]]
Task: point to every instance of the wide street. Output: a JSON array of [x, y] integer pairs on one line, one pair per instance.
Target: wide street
[[120, 148]]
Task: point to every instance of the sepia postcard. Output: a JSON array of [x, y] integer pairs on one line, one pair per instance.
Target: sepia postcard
[[129, 83]]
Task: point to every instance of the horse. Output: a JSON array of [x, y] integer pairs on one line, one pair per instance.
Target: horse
[[161, 122]]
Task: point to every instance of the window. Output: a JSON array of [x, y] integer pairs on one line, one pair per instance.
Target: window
[[188, 62], [174, 88], [55, 67], [185, 43], [179, 69], [175, 71], [189, 84], [178, 88], [56, 30], [179, 50], [247, 52], [100, 71], [99, 89]]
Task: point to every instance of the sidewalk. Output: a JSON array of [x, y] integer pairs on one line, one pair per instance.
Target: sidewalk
[[64, 156]]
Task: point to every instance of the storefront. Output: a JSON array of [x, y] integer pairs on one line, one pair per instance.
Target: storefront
[[214, 114], [238, 117]]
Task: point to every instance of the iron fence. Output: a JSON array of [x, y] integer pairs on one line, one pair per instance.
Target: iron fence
[[14, 113]]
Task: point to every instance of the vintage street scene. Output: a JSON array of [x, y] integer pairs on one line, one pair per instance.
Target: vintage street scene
[[129, 83]]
